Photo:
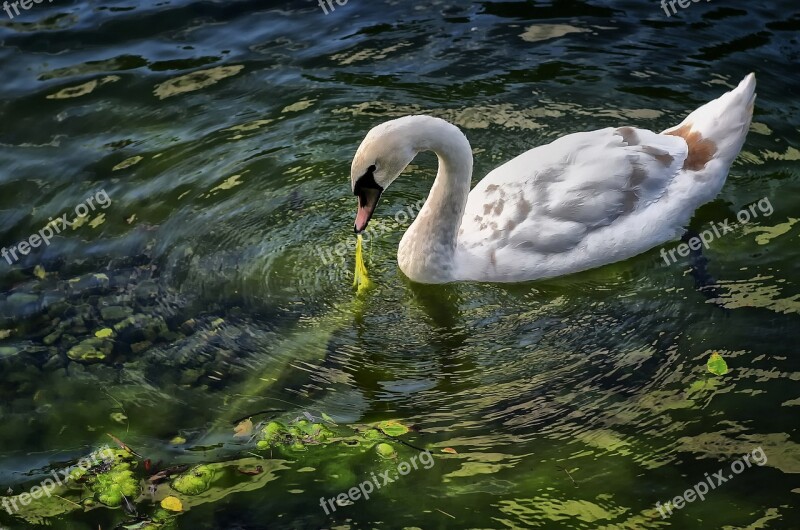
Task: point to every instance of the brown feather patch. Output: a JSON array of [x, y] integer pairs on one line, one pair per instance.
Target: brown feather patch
[[701, 150]]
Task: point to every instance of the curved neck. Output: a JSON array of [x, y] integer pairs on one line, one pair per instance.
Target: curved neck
[[427, 250]]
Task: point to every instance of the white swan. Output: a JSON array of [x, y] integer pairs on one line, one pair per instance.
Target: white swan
[[584, 200]]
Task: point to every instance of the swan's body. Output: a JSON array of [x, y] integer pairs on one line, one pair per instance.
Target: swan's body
[[582, 201]]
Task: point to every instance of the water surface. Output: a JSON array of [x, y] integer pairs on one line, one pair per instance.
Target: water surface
[[222, 134]]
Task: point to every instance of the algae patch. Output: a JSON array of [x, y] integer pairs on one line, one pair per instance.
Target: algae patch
[[385, 450], [361, 281], [195, 481], [112, 486], [296, 437]]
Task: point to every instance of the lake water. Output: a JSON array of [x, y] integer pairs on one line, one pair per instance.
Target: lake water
[[210, 142]]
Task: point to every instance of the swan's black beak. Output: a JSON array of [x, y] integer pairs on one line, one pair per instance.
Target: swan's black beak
[[368, 192]]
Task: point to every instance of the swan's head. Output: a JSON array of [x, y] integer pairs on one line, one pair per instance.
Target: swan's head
[[385, 152]]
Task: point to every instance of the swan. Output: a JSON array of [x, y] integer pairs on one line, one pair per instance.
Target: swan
[[585, 200]]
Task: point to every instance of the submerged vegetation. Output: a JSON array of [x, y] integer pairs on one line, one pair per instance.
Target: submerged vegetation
[[136, 326], [152, 496]]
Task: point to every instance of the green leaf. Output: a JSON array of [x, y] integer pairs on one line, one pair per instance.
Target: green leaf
[[392, 428], [717, 365]]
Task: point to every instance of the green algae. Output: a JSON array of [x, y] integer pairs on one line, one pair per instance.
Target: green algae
[[114, 481], [361, 281], [162, 520], [386, 450], [195, 481], [295, 436], [274, 430], [91, 350], [373, 434], [118, 481], [112, 486]]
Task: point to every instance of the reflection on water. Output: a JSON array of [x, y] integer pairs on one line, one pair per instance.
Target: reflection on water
[[223, 133]]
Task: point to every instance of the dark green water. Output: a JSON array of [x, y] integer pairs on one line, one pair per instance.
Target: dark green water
[[222, 134]]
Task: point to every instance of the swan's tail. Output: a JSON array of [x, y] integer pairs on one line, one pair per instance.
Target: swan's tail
[[716, 131]]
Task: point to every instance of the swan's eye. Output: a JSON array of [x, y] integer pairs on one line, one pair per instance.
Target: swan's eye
[[367, 182]]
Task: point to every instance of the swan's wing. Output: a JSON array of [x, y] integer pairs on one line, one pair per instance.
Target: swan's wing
[[548, 199]]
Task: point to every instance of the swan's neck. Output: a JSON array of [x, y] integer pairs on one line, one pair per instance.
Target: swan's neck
[[427, 250]]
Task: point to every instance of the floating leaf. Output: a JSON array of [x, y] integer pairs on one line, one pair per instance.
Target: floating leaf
[[172, 504], [328, 419], [178, 440], [717, 365], [5, 333], [244, 429], [39, 272], [450, 450], [392, 428]]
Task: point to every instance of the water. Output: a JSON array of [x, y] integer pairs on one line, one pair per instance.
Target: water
[[222, 134]]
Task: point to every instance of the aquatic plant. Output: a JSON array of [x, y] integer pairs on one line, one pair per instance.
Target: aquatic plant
[[195, 481]]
